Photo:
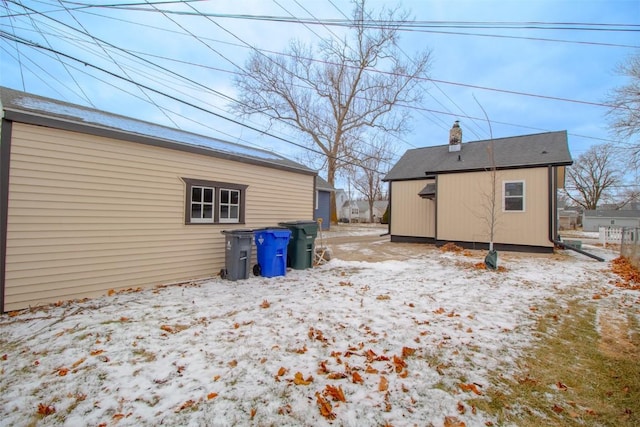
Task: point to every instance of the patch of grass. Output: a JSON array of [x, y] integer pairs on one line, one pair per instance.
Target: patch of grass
[[571, 377], [143, 356]]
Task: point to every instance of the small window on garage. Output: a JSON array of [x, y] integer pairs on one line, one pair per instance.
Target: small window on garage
[[229, 205], [513, 196], [201, 204], [213, 202]]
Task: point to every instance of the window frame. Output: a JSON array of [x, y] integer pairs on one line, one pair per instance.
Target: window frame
[[217, 186], [521, 197], [229, 205], [202, 203]]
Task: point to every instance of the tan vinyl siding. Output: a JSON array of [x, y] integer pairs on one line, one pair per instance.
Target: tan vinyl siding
[[561, 174], [411, 215], [88, 214], [463, 201]]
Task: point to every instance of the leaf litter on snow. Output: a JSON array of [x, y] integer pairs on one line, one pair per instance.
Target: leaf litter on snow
[[386, 343]]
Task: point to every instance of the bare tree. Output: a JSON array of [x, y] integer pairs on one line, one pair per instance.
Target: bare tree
[[336, 92], [366, 176], [491, 217], [593, 176], [624, 114], [630, 195]]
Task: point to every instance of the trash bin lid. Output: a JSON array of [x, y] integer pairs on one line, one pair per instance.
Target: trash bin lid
[[238, 231], [298, 223]]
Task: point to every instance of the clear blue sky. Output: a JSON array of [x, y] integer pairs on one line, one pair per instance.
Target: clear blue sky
[[543, 76]]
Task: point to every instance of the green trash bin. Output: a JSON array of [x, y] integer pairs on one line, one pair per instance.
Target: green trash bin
[[300, 251]]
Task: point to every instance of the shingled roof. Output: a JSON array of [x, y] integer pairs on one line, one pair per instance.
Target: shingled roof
[[323, 185], [32, 109], [543, 149]]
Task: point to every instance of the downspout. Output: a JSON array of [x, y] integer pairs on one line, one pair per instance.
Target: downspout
[[435, 213], [388, 233], [5, 154], [552, 203]]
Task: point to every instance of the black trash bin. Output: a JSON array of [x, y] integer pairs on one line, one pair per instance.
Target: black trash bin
[[237, 255], [301, 246]]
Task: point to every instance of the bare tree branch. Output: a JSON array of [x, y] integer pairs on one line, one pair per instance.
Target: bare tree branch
[[592, 176], [624, 115], [334, 94], [366, 177]]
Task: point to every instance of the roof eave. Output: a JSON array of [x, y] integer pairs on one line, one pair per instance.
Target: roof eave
[[29, 117], [427, 174]]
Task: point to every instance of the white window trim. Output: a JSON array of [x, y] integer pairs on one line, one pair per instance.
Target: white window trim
[[202, 204], [190, 183], [229, 205], [504, 195]]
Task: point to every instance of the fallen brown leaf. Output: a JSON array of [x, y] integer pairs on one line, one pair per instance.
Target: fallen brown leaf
[[453, 422], [470, 387], [336, 393], [384, 384], [326, 410], [298, 379]]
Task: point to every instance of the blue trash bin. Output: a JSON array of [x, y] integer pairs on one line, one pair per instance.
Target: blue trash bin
[[271, 251]]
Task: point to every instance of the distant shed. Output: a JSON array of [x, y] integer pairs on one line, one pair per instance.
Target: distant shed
[[92, 201], [592, 220]]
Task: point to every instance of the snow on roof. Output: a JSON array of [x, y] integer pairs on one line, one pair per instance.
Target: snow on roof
[[55, 109]]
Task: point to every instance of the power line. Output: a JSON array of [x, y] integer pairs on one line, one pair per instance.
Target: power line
[[408, 106], [154, 65], [536, 25], [512, 92], [190, 104]]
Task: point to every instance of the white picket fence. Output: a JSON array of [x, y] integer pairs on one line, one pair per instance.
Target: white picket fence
[[610, 235]]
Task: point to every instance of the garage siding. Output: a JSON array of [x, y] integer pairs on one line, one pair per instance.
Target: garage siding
[[412, 215], [87, 214]]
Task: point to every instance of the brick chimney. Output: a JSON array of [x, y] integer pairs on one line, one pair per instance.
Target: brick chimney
[[455, 137]]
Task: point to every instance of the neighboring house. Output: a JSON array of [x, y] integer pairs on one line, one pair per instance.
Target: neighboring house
[[593, 220], [360, 210], [342, 205], [379, 208], [567, 219], [92, 202], [323, 202], [442, 193], [357, 210]]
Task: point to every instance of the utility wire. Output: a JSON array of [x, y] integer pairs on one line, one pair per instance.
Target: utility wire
[[513, 92], [190, 104], [117, 64], [155, 64], [535, 25], [516, 125]]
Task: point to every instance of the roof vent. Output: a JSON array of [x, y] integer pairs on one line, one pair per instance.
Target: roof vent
[[455, 137]]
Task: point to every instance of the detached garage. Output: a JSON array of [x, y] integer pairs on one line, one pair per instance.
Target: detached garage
[[91, 201]]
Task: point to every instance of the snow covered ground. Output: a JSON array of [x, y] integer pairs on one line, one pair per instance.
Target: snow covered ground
[[349, 343]]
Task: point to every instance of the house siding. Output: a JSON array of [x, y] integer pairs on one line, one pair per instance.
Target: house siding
[[324, 209], [463, 202], [594, 223], [412, 215], [87, 214]]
